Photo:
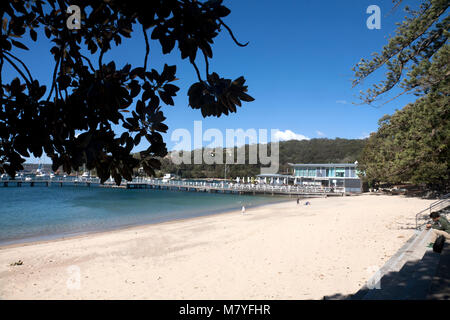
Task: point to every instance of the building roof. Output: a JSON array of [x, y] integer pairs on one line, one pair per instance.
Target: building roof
[[274, 175], [323, 165]]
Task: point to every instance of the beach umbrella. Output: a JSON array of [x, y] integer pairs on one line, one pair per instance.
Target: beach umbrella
[[278, 180], [237, 179], [271, 180]]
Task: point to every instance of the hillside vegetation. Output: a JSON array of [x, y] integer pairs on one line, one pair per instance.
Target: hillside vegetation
[[293, 151]]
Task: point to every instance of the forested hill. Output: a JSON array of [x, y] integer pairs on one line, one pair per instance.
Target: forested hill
[[321, 151], [293, 151]]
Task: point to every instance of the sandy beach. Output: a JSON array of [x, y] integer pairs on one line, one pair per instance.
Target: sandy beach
[[276, 251]]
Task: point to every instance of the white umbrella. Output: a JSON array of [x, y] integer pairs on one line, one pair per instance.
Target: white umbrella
[[237, 179]]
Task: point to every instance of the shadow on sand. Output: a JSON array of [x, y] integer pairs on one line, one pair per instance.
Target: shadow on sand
[[427, 278]]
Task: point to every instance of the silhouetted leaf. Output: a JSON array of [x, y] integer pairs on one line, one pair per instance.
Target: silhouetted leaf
[[19, 45]]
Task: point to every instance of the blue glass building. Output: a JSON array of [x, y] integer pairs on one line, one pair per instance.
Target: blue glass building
[[328, 175]]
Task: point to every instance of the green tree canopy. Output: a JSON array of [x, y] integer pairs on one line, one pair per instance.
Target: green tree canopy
[[413, 145]]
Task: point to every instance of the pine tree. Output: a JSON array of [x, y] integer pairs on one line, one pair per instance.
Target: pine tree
[[412, 145]]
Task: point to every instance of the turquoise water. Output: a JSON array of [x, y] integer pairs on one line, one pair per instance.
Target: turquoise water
[[42, 213]]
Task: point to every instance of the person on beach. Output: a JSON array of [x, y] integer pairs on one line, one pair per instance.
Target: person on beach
[[243, 209], [298, 200], [440, 227]]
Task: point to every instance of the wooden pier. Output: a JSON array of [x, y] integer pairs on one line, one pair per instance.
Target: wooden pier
[[235, 188], [185, 185]]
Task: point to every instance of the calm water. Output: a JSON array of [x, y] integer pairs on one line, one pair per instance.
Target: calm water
[[40, 213]]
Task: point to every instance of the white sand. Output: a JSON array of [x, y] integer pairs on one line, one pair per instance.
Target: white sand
[[278, 251]]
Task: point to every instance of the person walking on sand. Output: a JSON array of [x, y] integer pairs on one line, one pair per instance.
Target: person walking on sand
[[243, 210], [439, 227], [298, 200]]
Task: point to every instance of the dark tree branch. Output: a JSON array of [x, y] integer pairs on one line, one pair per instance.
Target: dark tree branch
[[147, 48], [1, 78], [89, 62], [232, 35], [100, 62], [197, 71], [206, 63], [54, 78], [62, 71], [21, 62], [17, 69]]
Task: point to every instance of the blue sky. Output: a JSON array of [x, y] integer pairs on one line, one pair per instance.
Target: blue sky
[[297, 66]]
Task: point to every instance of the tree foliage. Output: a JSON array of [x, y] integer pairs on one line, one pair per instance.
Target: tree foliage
[[412, 145], [72, 121], [416, 57]]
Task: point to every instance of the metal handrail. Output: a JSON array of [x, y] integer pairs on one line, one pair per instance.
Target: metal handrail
[[444, 200]]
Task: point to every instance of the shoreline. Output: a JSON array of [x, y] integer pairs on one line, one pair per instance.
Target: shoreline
[[79, 235], [275, 251]]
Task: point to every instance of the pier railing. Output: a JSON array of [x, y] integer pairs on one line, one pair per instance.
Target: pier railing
[[238, 187], [438, 205], [181, 184]]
